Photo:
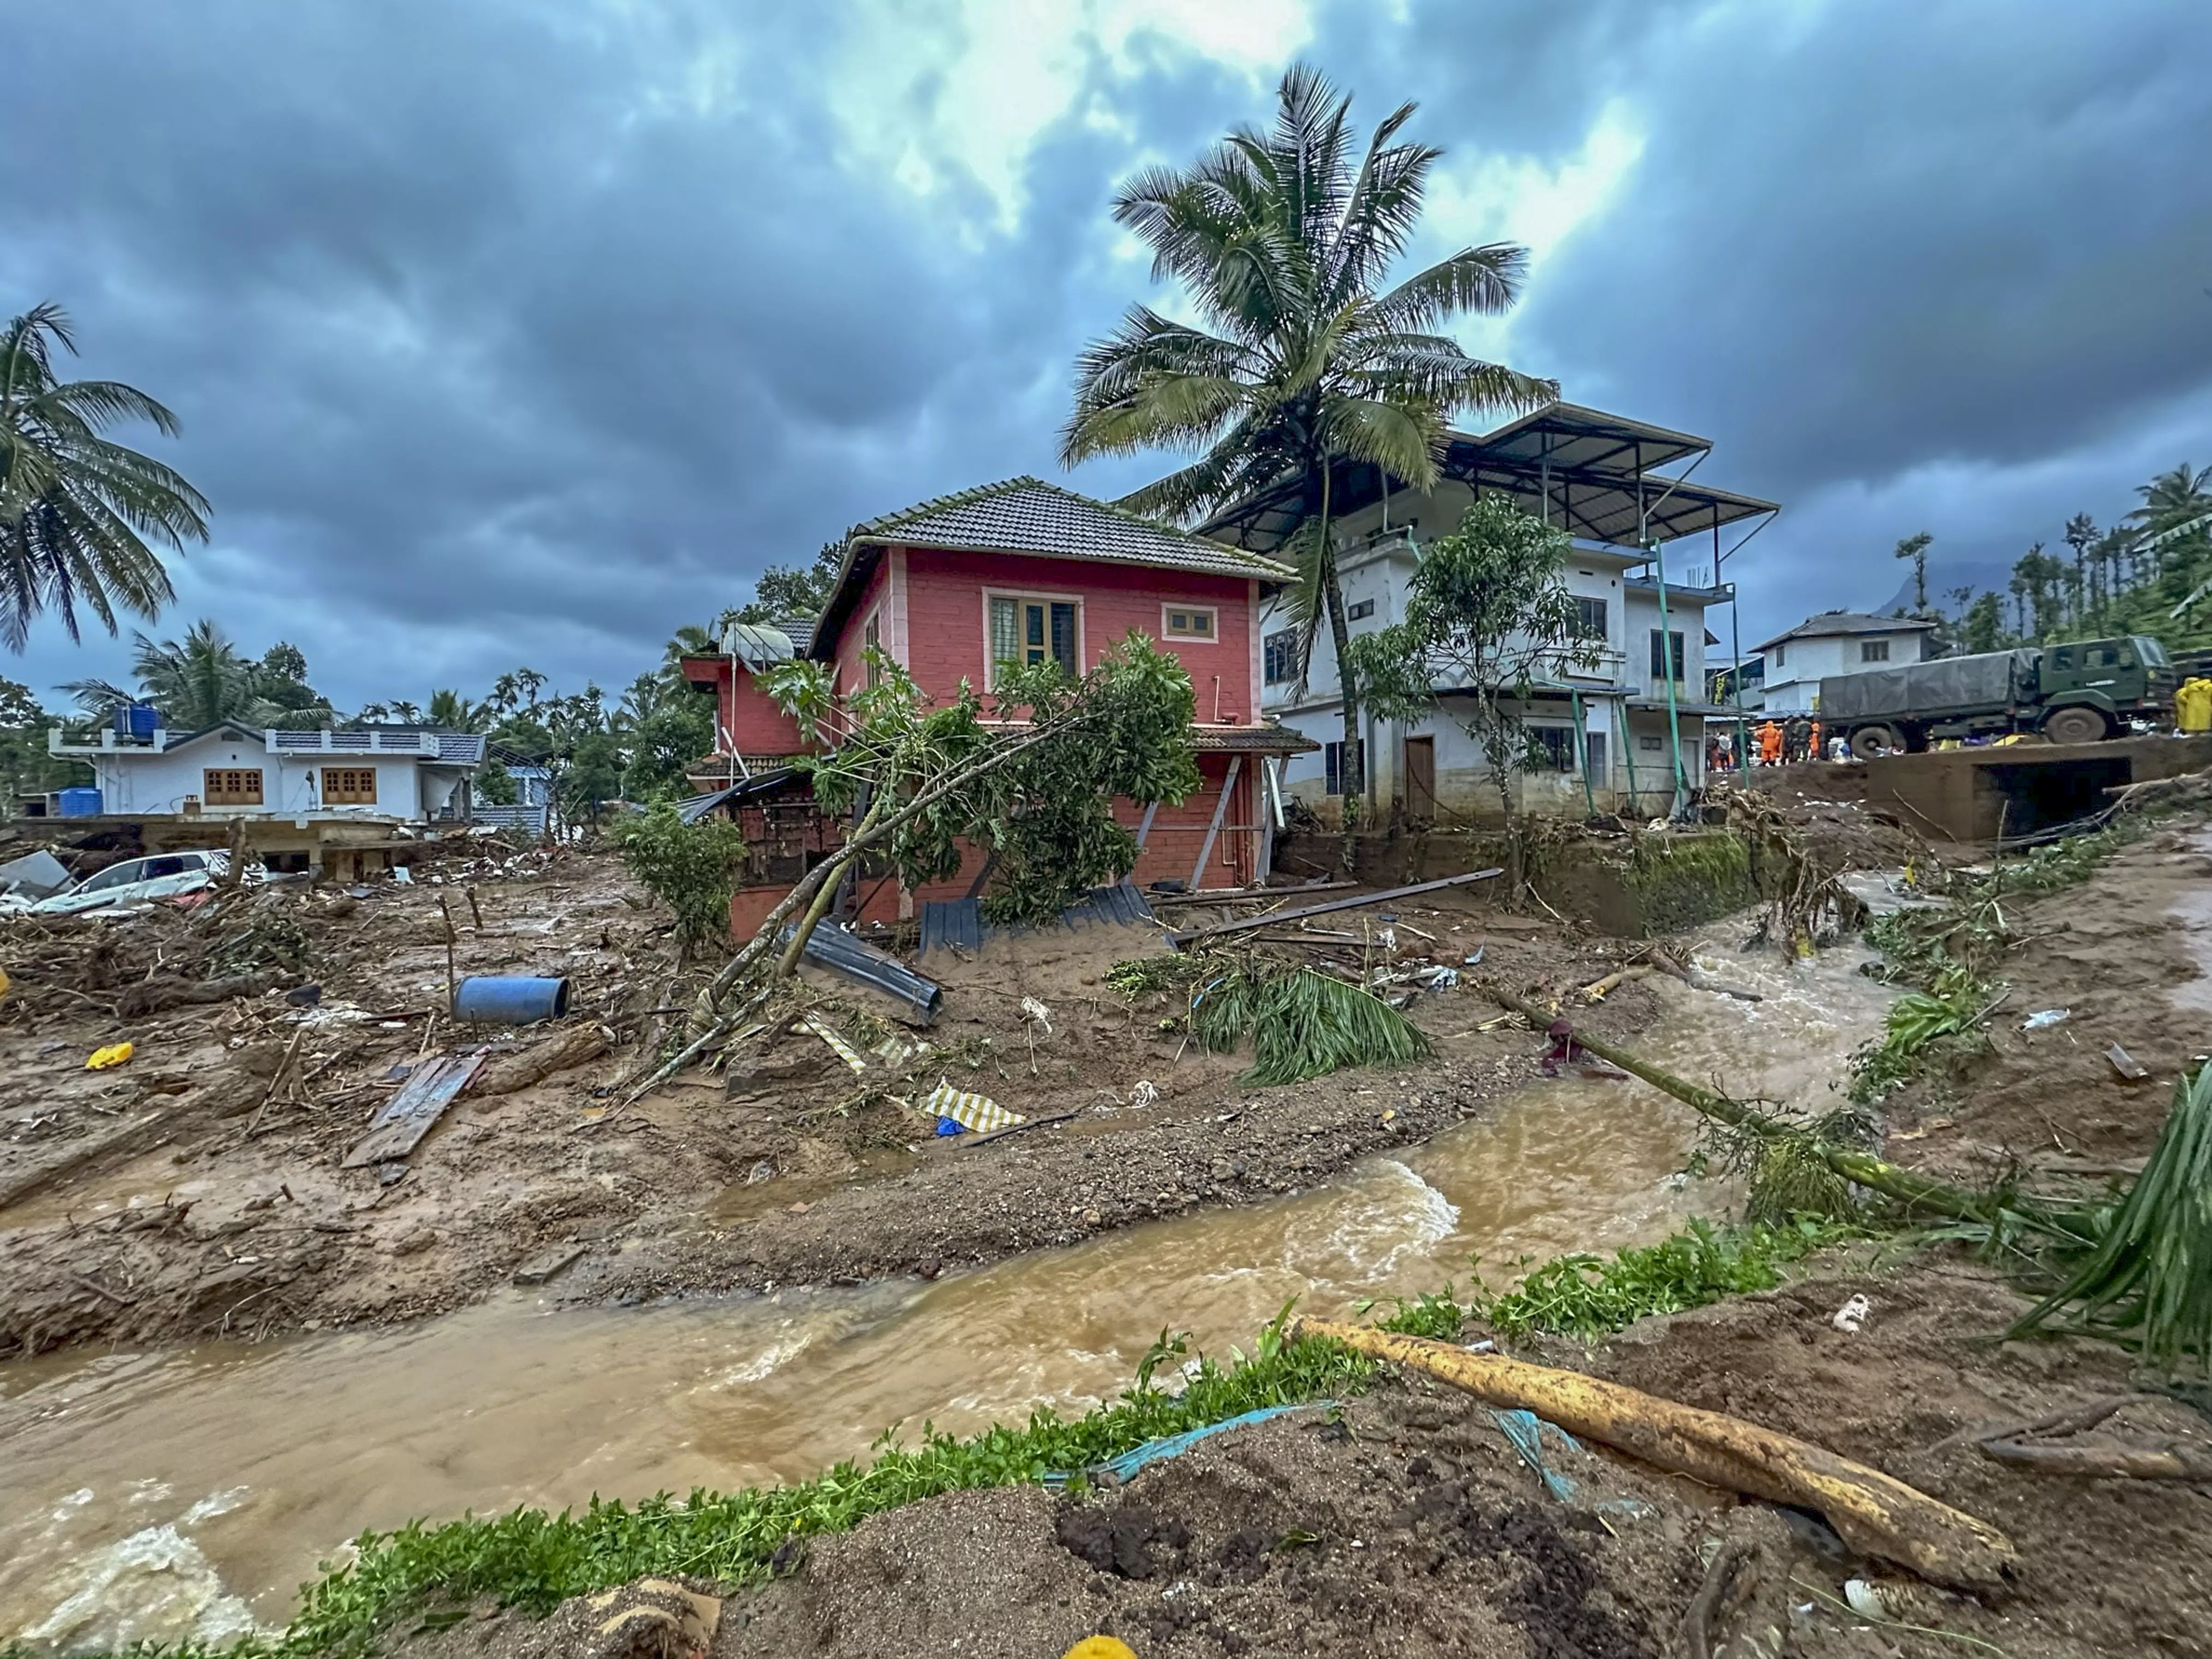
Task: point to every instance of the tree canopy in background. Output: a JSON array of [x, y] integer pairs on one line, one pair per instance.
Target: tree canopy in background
[[76, 508]]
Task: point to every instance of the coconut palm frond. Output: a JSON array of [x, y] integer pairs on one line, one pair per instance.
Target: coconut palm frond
[[2149, 1282]]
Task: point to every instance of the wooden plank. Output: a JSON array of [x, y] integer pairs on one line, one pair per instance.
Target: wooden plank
[[1145, 828], [1276, 918], [546, 1263], [1220, 811], [413, 1112]]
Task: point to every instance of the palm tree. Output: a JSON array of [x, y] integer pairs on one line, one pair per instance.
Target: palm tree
[[1915, 548], [2176, 506], [452, 712], [75, 507], [1282, 239], [197, 682], [2082, 535]]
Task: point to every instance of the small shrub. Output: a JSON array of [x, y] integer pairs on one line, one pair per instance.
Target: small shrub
[[692, 868]]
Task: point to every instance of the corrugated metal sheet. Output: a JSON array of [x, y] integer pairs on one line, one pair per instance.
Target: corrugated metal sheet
[[761, 783], [833, 948], [959, 922]]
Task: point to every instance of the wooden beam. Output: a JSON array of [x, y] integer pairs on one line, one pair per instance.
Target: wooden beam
[[1276, 918], [1213, 829]]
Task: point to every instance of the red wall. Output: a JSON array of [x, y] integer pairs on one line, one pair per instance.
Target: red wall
[[750, 723], [852, 672], [1169, 851], [944, 625]]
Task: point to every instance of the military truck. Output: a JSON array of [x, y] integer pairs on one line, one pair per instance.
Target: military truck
[[2082, 691]]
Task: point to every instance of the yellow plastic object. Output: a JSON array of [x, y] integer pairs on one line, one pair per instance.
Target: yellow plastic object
[[3, 981], [2193, 705], [114, 1055], [1100, 1647]]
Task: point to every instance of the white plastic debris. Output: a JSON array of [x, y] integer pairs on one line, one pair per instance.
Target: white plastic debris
[[1037, 1011], [2045, 1019], [1387, 938], [1852, 1315], [1143, 1094], [1877, 1598]]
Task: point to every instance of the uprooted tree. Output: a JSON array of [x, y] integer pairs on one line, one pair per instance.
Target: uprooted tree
[[1031, 782], [1487, 616]]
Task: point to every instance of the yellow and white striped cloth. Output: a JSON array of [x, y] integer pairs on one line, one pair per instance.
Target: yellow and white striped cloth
[[970, 1111], [842, 1049]]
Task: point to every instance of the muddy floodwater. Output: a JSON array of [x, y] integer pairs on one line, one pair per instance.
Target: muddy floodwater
[[188, 1491]]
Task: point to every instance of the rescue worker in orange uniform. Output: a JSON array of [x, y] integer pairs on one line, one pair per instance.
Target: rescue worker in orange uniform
[[1770, 745]]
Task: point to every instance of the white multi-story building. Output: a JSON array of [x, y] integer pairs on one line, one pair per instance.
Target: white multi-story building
[[1605, 722], [1834, 642]]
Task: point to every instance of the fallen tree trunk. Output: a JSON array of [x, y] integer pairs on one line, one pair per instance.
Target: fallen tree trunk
[[1874, 1513], [23, 1184], [1877, 1175], [560, 1053], [158, 996]]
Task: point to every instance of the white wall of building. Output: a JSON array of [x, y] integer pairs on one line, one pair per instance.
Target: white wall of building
[[1796, 667], [1375, 572], [140, 781]]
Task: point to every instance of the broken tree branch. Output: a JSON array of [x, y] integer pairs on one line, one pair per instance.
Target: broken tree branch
[[1874, 1513], [1877, 1175], [1222, 929]]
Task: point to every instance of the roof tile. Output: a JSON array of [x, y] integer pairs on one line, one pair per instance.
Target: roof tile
[[1027, 515]]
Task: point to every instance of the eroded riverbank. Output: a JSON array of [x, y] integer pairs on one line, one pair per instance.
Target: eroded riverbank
[[164, 1493]]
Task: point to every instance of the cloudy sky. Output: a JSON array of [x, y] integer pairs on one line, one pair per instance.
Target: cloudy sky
[[508, 332]]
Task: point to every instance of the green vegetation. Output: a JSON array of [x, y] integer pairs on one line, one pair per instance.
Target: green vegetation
[[692, 868], [203, 679], [77, 509], [1488, 613], [1950, 955], [1683, 881], [2149, 1282], [1301, 360], [1303, 1023], [1590, 1296]]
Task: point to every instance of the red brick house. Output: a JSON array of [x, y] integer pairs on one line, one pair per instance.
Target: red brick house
[[1024, 571]]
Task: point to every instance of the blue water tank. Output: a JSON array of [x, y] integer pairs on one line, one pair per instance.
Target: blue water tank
[[505, 999], [136, 721], [77, 803]]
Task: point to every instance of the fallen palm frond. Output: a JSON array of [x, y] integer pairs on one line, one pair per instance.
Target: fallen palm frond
[[2149, 1282], [1303, 1025], [1875, 1513]]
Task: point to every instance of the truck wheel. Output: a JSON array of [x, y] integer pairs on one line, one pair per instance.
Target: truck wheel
[[2076, 726], [1869, 741]]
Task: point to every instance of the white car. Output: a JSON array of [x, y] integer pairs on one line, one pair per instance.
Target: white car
[[139, 881]]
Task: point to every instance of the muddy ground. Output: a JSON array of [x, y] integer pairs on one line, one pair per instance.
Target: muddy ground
[[221, 1206], [1410, 1527]]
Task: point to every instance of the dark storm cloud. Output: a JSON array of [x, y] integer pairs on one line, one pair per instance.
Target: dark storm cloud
[[508, 333], [1911, 264]]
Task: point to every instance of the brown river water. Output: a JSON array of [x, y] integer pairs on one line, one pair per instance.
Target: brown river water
[[166, 1494]]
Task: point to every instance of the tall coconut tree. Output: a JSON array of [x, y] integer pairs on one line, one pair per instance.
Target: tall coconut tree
[[77, 509], [1282, 240]]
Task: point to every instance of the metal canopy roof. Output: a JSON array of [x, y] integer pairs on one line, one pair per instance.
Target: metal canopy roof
[[1586, 471]]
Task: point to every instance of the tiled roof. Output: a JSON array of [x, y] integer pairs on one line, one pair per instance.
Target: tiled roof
[[1830, 622], [1263, 739], [1027, 515]]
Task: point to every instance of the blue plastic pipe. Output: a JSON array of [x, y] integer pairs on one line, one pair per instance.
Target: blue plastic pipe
[[509, 999]]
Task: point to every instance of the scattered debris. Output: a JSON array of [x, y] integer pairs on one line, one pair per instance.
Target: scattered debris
[[968, 1109], [2045, 1019], [546, 1264], [1851, 1317], [115, 1053], [414, 1111], [1276, 918], [838, 1045], [2130, 1069]]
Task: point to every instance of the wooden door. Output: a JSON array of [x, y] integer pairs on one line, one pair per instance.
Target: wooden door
[[1421, 778]]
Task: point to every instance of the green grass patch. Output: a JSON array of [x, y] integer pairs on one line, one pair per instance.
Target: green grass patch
[[1591, 1297]]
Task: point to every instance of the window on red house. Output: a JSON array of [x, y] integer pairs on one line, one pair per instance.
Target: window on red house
[[1026, 630]]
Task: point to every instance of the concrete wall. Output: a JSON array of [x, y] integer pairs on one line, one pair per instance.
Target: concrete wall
[[1792, 686], [143, 782], [932, 605]]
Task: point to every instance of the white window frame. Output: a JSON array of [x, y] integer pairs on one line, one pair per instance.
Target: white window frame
[[1169, 637], [873, 623], [1044, 596]]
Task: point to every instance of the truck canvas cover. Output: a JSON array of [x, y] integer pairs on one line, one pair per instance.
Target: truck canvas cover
[[1988, 680]]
